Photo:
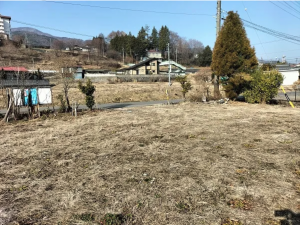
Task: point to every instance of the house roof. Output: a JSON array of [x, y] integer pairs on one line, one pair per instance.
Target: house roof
[[16, 69], [5, 17], [140, 64]]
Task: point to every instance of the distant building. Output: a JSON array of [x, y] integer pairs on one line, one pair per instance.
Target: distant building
[[5, 26], [148, 66]]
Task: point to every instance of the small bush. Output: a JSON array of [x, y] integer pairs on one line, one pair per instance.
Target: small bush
[[264, 86], [185, 85], [88, 90], [296, 84], [268, 67], [62, 107], [236, 85]]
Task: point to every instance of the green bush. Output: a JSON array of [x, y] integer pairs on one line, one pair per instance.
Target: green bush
[[236, 85], [185, 84], [62, 107], [264, 86], [88, 90], [268, 67]]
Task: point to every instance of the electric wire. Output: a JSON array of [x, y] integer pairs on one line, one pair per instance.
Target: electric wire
[[132, 10], [284, 10], [49, 28], [255, 30]]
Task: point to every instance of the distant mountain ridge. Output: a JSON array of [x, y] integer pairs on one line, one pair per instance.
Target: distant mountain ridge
[[36, 37], [30, 30]]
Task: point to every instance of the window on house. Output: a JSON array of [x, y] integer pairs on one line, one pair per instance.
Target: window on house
[[152, 64]]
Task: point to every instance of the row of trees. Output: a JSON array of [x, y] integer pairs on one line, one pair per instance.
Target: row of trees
[[184, 51], [118, 43]]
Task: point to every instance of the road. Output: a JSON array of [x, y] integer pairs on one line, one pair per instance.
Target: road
[[111, 105]]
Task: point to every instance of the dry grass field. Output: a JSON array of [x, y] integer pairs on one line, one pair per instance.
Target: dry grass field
[[123, 92], [178, 164]]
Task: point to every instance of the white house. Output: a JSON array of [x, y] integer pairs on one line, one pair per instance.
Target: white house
[[290, 74], [5, 26]]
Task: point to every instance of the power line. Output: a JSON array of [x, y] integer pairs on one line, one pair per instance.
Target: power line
[[280, 35], [267, 42], [291, 7], [255, 30], [49, 28], [285, 51], [296, 3], [270, 31], [284, 10], [133, 10]]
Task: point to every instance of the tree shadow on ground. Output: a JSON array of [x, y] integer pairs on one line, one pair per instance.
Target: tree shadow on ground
[[290, 218]]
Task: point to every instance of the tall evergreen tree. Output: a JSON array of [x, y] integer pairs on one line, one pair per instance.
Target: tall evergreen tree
[[164, 38], [205, 57], [141, 43], [232, 52], [154, 39]]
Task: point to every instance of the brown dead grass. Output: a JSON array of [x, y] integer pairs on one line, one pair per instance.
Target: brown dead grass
[[124, 92], [158, 165]]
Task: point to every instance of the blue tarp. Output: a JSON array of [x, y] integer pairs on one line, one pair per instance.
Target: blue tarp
[[32, 94]]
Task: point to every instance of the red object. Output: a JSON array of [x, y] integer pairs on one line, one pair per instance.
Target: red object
[[15, 69]]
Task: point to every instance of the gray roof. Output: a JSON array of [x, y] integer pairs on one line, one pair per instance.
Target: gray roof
[[26, 83]]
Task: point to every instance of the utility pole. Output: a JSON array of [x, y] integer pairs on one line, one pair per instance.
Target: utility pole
[[26, 40], [169, 64], [218, 17], [296, 60], [123, 56], [50, 43], [176, 55]]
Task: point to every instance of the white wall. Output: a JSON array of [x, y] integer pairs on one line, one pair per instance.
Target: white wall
[[7, 27], [1, 26], [289, 77]]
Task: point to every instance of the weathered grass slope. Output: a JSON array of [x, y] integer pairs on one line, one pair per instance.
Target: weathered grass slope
[[158, 165]]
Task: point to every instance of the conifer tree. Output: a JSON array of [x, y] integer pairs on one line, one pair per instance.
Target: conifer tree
[[232, 51], [88, 90], [205, 57], [154, 39], [164, 38]]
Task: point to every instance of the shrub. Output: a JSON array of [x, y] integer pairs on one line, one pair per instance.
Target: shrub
[[267, 67], [236, 85], [264, 86], [62, 107], [112, 54], [185, 84], [88, 90], [296, 84]]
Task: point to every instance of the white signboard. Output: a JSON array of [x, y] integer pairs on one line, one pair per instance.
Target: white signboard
[[45, 96]]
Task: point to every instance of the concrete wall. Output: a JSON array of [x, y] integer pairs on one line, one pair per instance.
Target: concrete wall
[[130, 78]]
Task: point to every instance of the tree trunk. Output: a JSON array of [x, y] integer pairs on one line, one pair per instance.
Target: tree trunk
[[216, 87], [68, 102], [8, 111]]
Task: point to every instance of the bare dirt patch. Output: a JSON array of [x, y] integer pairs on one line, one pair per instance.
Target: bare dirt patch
[[185, 164]]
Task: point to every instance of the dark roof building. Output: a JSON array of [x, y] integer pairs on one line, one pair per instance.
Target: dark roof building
[[148, 66]]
